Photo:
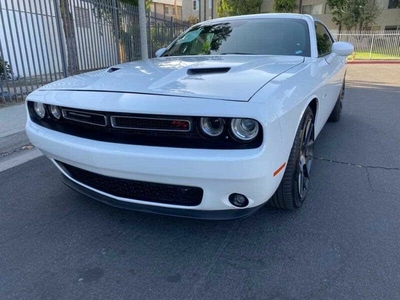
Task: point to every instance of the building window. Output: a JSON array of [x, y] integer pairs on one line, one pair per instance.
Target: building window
[[168, 10], [327, 9], [195, 4], [316, 9], [391, 28], [372, 28], [306, 9], [82, 17], [393, 4], [210, 4]]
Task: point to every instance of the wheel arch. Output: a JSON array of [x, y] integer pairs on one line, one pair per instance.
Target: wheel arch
[[314, 105], [291, 120], [287, 144]]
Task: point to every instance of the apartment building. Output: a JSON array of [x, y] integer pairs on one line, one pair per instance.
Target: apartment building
[[389, 19], [167, 9], [199, 9]]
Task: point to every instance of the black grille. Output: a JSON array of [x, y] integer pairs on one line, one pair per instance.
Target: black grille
[[85, 117], [138, 190], [140, 129], [126, 122]]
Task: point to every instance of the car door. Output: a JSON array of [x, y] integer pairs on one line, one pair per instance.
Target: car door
[[331, 72]]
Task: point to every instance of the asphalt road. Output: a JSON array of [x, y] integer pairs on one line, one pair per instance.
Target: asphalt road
[[342, 244]]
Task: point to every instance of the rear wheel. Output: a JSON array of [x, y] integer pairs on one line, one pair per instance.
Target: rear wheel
[[293, 189]]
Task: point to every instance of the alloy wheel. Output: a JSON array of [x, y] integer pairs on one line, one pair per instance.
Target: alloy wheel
[[305, 157]]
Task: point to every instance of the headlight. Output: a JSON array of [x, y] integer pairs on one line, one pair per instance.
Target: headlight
[[55, 112], [244, 129], [212, 126], [39, 109]]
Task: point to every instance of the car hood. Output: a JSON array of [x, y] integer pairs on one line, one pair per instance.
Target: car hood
[[231, 77]]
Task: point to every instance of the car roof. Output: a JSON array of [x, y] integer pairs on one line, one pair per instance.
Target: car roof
[[262, 16]]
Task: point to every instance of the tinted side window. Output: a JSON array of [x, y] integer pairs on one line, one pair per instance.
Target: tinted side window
[[324, 40]]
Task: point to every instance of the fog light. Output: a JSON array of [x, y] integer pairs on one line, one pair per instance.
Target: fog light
[[238, 200], [55, 112], [39, 109]]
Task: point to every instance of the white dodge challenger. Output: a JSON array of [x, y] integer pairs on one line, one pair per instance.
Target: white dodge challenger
[[222, 121]]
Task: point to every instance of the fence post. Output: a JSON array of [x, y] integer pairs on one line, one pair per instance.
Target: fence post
[[171, 30], [149, 41], [116, 28], [372, 45], [61, 38]]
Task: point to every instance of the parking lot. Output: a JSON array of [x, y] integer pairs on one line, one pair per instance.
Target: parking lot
[[342, 244]]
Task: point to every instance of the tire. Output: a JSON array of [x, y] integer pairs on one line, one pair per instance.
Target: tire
[[293, 188], [337, 110]]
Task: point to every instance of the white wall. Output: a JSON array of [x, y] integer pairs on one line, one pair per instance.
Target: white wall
[[30, 38], [29, 41]]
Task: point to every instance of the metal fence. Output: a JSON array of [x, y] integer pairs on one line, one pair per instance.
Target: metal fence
[[373, 44], [43, 41]]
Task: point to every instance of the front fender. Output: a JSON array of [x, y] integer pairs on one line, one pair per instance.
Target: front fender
[[288, 95]]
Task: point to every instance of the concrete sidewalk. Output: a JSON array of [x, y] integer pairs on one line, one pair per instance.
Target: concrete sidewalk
[[12, 120], [15, 147]]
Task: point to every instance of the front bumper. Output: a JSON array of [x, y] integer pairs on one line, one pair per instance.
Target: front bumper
[[219, 173], [227, 214]]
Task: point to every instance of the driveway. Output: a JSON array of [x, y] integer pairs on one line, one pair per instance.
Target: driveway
[[342, 244]]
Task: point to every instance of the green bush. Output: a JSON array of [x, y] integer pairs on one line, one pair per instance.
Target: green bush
[[5, 69], [160, 36]]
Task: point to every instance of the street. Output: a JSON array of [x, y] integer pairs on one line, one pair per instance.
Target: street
[[342, 244]]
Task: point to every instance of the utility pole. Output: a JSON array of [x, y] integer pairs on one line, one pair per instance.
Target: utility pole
[[205, 10], [199, 10], [143, 30]]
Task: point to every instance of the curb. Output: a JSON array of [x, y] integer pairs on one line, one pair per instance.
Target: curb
[[372, 62]]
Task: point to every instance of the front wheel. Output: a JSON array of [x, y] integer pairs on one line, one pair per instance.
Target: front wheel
[[293, 188]]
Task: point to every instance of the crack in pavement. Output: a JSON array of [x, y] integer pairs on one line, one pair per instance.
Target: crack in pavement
[[357, 165], [367, 170], [15, 150]]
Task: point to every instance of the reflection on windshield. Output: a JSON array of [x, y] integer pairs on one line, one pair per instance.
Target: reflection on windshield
[[244, 37], [202, 40]]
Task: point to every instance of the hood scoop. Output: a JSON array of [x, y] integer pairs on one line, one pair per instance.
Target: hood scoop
[[207, 71], [112, 69]]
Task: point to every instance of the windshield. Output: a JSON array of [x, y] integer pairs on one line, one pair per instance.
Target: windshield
[[247, 37]]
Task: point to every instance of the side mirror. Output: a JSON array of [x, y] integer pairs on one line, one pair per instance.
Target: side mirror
[[160, 52], [342, 48]]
